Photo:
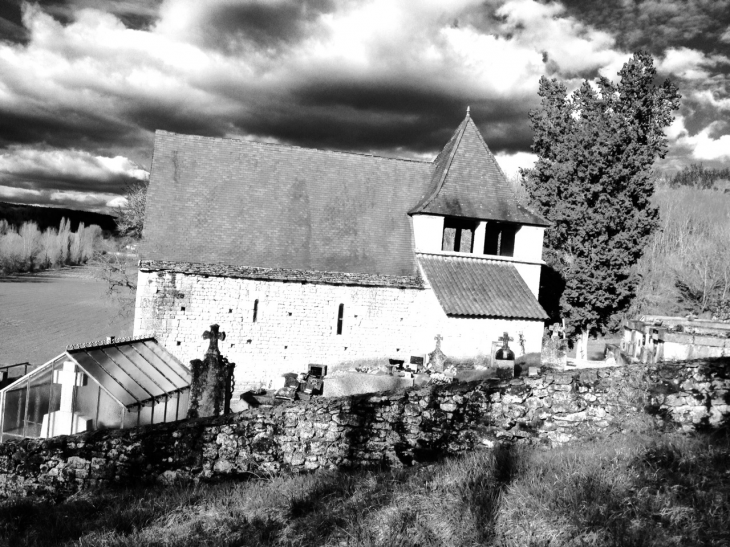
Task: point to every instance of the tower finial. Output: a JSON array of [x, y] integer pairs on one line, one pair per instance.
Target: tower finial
[[467, 110]]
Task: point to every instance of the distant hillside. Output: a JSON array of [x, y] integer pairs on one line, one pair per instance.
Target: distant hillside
[[50, 217]]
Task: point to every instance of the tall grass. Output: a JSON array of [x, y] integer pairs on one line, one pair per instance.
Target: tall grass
[[686, 264], [637, 489], [27, 249]]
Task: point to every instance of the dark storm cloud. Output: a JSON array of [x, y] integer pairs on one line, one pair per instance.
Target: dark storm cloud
[[371, 116], [67, 127], [66, 170], [655, 25], [135, 14], [33, 179], [268, 24]]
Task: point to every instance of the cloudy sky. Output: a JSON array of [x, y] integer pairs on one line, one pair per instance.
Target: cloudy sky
[[85, 83]]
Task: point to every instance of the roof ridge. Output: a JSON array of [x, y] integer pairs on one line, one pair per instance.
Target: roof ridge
[[458, 134], [112, 341], [292, 146]]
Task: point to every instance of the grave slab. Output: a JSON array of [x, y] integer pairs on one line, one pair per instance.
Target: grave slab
[[355, 383]]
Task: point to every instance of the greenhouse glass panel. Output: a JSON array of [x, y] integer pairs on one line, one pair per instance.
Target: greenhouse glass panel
[[103, 385], [171, 409], [183, 406], [26, 402], [14, 411], [110, 412], [131, 418], [12, 373], [44, 397], [145, 417]]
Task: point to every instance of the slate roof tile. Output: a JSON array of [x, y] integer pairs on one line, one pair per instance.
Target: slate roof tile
[[468, 182], [476, 287], [244, 203]]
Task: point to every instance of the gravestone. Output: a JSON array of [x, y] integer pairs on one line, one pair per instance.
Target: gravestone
[[554, 348], [504, 359], [436, 358], [211, 388], [416, 363]]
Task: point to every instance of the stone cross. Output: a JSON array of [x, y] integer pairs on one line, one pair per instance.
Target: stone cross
[[505, 339], [436, 358], [212, 379], [557, 329], [213, 335]]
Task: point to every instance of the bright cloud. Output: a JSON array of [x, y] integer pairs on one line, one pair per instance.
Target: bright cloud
[[93, 201], [68, 163], [685, 63], [709, 144], [511, 163]]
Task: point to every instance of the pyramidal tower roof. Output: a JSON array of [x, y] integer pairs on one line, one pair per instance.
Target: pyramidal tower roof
[[468, 182]]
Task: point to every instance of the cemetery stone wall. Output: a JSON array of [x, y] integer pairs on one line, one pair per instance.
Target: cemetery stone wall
[[386, 429]]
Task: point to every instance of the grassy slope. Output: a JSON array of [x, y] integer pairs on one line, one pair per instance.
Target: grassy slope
[[633, 489]]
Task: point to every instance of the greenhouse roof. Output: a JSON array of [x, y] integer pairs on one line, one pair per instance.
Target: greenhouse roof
[[134, 371]]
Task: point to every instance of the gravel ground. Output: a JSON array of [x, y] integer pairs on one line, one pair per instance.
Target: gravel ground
[[40, 314]]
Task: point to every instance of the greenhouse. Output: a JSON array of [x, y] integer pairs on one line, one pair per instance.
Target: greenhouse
[[114, 384]]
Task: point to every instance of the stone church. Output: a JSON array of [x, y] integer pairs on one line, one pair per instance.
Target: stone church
[[316, 256]]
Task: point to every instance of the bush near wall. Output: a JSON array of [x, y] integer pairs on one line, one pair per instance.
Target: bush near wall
[[386, 429]]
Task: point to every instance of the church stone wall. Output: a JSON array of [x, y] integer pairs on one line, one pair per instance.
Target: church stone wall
[[296, 323]]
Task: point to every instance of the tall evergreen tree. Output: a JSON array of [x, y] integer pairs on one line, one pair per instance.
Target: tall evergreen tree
[[592, 180]]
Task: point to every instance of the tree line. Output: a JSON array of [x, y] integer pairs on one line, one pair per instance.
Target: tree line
[[50, 217], [28, 249]]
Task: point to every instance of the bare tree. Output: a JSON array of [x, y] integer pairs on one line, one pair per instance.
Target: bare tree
[[117, 267], [130, 217], [118, 270]]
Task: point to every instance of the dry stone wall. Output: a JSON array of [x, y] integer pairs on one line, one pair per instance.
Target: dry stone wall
[[386, 429], [296, 323]]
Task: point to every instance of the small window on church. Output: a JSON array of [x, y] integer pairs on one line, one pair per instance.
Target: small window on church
[[255, 310], [499, 238], [458, 235], [340, 313]]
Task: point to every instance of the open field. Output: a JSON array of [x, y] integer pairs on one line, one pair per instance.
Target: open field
[[42, 313], [634, 489]]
